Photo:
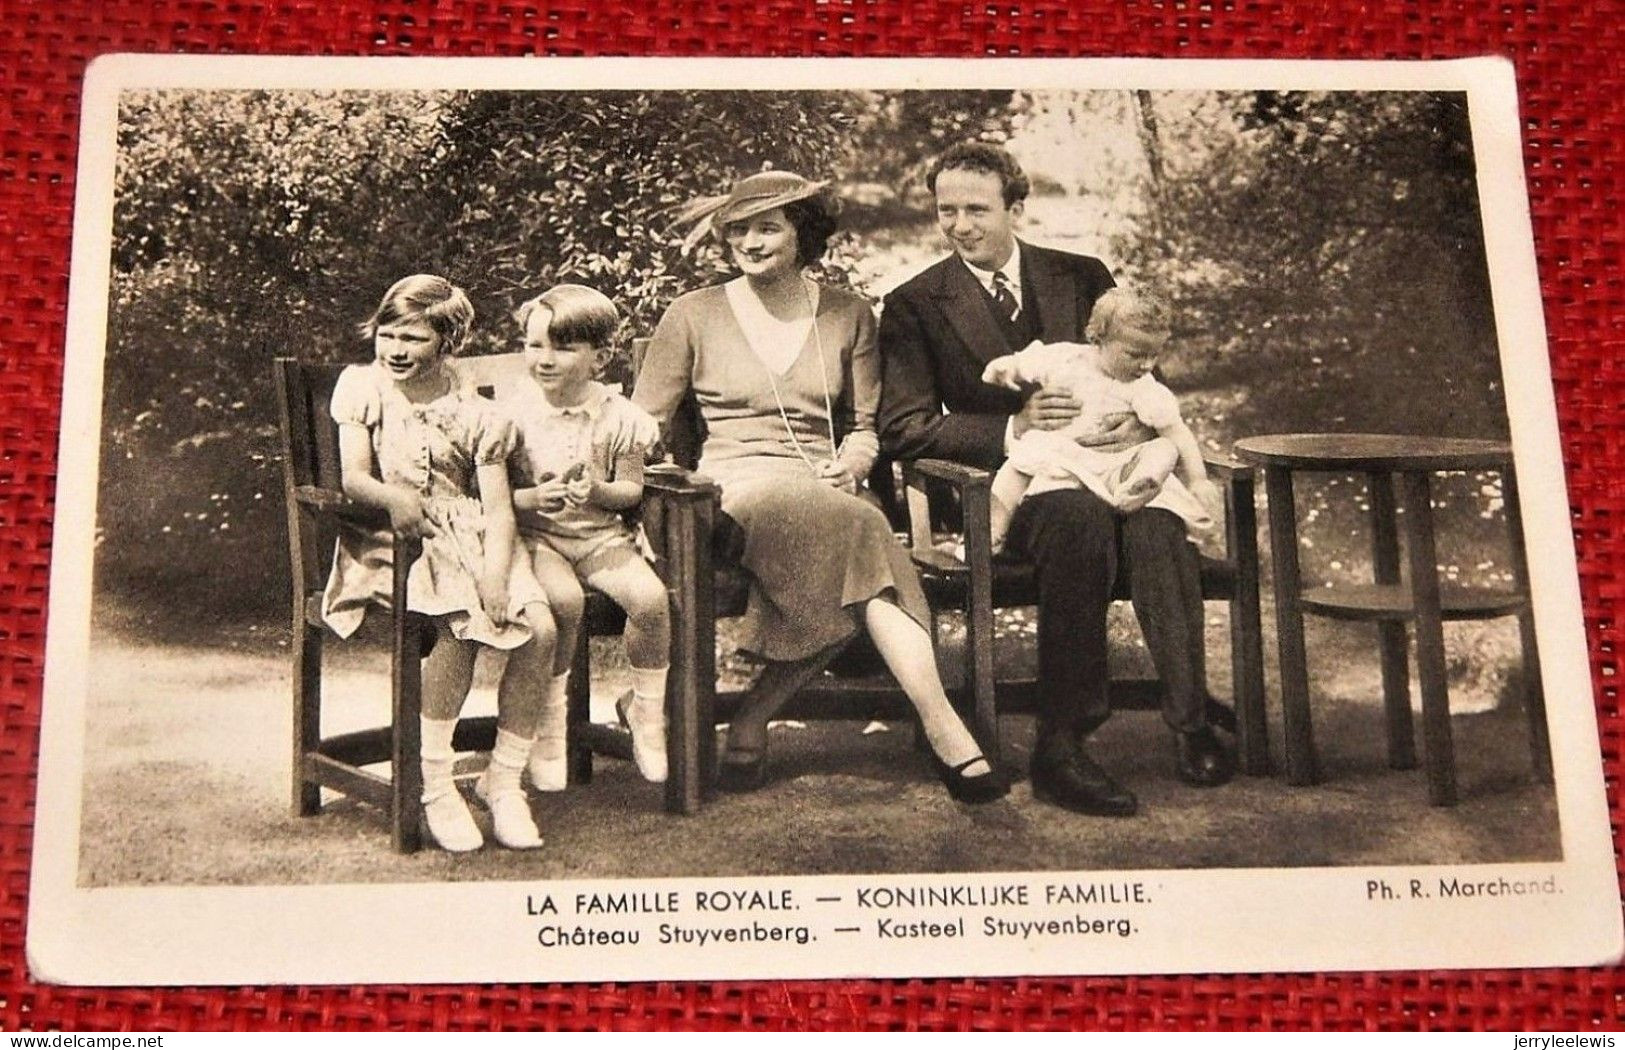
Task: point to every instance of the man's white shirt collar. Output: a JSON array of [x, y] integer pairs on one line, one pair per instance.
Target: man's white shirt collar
[[1011, 270]]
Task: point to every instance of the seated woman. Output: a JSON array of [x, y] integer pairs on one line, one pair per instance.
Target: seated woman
[[781, 366]]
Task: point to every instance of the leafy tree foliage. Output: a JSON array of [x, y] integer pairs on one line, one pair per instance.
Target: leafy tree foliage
[[1325, 250], [250, 224]]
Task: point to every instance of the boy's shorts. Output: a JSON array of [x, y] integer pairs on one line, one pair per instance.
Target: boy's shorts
[[590, 555]]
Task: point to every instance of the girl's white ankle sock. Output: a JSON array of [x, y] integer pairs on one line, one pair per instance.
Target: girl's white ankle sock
[[450, 823], [549, 771], [507, 763], [511, 820]]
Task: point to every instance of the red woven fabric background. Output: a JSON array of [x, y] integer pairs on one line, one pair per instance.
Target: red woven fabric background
[[1568, 56]]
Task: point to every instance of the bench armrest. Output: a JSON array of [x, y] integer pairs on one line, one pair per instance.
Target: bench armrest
[[669, 481], [972, 488], [958, 475], [678, 514], [338, 505]]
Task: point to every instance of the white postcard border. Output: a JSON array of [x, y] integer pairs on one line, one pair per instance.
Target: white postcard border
[[1194, 921]]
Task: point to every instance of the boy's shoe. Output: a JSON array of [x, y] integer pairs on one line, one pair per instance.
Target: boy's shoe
[[648, 736], [451, 825], [549, 767]]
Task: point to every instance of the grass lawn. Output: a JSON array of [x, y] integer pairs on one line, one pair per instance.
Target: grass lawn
[[186, 782]]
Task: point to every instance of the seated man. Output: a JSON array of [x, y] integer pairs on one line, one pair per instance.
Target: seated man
[[994, 296]]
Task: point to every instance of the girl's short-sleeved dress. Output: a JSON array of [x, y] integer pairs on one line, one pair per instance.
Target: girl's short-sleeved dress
[[435, 449], [815, 554], [1055, 460]]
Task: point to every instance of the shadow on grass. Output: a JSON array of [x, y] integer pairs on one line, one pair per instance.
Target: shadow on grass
[[186, 782]]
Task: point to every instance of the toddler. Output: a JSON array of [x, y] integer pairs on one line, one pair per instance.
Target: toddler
[[415, 443], [582, 451], [1109, 376]]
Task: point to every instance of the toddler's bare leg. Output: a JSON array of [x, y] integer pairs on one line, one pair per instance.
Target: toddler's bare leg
[[523, 687], [448, 671], [1009, 485], [564, 595], [1139, 480]]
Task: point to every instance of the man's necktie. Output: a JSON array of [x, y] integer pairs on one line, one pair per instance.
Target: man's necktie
[[1004, 297]]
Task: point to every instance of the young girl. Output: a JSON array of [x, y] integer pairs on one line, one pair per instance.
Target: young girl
[[582, 448], [414, 442], [1109, 376]]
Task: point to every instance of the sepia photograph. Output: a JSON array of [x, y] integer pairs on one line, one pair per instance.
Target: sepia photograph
[[769, 518]]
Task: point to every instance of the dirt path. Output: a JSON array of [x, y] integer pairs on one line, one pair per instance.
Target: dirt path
[[187, 782]]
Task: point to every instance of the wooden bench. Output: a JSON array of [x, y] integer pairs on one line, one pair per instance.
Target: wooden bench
[[676, 516]]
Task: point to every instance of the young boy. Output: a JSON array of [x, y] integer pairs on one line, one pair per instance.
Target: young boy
[[581, 454]]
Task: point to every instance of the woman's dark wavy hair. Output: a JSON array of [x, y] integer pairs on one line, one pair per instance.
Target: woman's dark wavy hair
[[814, 222]]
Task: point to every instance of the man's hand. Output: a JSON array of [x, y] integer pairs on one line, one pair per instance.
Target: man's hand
[[1117, 432], [1045, 410]]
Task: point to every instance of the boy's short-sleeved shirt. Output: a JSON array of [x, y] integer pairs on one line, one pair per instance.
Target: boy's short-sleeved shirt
[[552, 440]]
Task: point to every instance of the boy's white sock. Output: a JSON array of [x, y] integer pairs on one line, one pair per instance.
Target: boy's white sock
[[450, 823], [646, 717], [549, 770], [507, 763]]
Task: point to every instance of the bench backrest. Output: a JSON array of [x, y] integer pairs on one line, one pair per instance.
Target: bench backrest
[[310, 457]]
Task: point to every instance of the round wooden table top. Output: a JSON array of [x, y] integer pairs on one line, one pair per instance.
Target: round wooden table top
[[1372, 452]]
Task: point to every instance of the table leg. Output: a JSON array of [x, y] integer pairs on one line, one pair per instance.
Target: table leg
[[1534, 693], [1396, 693], [1438, 749], [1300, 743]]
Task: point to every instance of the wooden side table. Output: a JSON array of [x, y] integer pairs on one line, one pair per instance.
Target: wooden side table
[[1388, 602]]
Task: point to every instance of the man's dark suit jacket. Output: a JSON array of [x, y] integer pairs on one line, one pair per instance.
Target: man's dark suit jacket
[[937, 334]]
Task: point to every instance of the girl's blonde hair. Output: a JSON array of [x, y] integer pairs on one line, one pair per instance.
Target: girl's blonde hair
[[1121, 306], [577, 314], [428, 299]]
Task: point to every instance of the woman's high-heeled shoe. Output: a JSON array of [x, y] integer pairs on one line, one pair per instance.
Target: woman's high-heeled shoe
[[987, 787]]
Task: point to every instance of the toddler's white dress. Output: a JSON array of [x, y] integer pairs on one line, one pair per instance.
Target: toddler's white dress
[[1055, 460]]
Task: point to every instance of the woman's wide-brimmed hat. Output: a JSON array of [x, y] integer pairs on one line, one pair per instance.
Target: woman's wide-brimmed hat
[[751, 195]]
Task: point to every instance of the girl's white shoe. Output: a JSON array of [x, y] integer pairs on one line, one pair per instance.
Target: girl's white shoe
[[511, 820], [647, 721], [450, 823]]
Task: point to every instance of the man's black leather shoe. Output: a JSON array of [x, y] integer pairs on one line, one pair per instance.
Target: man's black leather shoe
[[1071, 779], [1203, 761], [1221, 716]]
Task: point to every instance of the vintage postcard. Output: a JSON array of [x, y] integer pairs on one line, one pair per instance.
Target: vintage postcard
[[533, 520]]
